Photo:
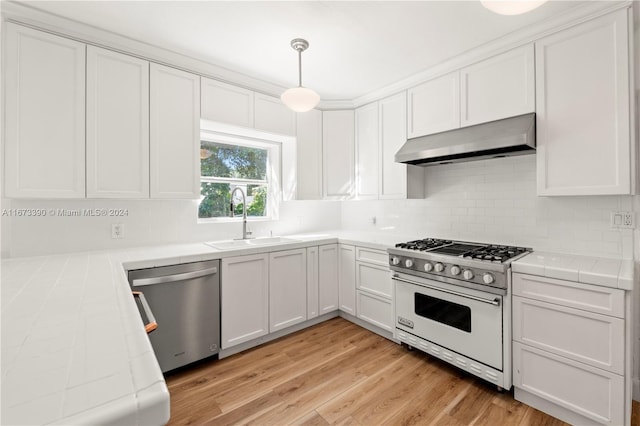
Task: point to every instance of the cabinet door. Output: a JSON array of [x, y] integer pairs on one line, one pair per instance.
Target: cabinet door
[[499, 87], [117, 125], [287, 288], [434, 106], [309, 151], [174, 133], [393, 134], [374, 279], [587, 337], [226, 103], [312, 282], [582, 106], [328, 297], [591, 392], [367, 147], [273, 116], [338, 152], [44, 116], [347, 279], [375, 310], [245, 299]]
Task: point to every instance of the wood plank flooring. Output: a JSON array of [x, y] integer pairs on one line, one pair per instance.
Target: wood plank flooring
[[339, 373]]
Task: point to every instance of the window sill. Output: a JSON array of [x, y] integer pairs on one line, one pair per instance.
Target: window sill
[[235, 219]]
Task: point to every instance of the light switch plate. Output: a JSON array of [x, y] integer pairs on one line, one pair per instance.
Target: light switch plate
[[623, 220]]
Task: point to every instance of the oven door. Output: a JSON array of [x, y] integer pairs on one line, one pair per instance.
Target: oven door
[[462, 320]]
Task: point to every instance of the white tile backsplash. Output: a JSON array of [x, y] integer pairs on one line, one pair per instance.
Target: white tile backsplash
[[495, 201], [148, 222]]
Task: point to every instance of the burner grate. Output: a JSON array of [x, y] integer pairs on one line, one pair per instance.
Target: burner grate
[[424, 244], [495, 253]]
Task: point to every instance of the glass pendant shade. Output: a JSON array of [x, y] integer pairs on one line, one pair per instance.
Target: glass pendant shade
[[300, 99], [512, 7]]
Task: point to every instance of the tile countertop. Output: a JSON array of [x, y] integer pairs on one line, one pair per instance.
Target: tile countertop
[[74, 349], [589, 270]]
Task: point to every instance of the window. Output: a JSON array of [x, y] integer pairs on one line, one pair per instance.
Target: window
[[228, 162]]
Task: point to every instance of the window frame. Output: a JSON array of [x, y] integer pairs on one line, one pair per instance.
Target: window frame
[[280, 165]]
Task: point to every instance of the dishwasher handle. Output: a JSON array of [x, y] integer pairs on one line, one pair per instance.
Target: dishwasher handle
[[173, 278], [152, 324]]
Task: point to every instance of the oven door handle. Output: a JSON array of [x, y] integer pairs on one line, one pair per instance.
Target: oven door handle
[[495, 302]]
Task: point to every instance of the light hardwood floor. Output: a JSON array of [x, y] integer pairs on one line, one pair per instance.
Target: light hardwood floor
[[339, 373]]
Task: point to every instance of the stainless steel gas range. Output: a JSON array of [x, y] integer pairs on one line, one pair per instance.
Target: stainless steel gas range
[[453, 301]]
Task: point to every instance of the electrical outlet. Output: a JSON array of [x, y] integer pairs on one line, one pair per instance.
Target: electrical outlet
[[117, 230], [622, 220]]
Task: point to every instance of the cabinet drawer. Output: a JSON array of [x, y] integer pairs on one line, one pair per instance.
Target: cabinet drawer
[[374, 279], [594, 339], [589, 391], [376, 310], [378, 257], [603, 300]]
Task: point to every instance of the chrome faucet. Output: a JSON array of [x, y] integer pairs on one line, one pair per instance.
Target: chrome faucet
[[245, 234]]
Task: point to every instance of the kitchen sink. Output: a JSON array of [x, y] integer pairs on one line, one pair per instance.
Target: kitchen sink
[[254, 242]]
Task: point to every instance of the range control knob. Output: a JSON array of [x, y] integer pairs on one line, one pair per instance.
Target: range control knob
[[395, 260], [439, 267], [488, 278], [467, 274], [428, 267], [408, 263], [455, 270]]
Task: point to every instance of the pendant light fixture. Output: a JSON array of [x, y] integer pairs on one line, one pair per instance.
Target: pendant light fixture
[[512, 7], [300, 99]]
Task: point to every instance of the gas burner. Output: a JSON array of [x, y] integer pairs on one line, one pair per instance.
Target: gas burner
[[424, 244], [495, 253]]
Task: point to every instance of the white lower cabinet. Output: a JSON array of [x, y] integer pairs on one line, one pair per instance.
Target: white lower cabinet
[[375, 309], [347, 278], [374, 288], [312, 282], [287, 288], [590, 392], [328, 293], [244, 299], [568, 356]]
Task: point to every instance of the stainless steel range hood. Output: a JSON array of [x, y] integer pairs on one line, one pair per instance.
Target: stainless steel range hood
[[501, 138]]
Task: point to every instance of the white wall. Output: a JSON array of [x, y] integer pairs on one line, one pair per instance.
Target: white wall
[[495, 201], [148, 222]]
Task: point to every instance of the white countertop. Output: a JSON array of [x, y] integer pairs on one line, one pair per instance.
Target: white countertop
[[74, 349], [605, 272]]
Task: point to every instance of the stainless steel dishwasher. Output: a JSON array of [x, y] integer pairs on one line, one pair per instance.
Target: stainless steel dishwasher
[[185, 301]]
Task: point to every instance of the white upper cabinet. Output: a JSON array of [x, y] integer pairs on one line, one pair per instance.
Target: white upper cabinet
[[175, 133], [499, 87], [338, 154], [434, 106], [117, 125], [309, 151], [44, 116], [226, 103], [367, 151], [393, 177], [582, 105], [271, 115]]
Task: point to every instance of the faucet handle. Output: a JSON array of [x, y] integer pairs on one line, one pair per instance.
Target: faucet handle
[[249, 233]]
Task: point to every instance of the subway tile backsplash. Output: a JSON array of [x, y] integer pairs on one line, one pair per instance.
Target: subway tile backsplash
[[495, 201]]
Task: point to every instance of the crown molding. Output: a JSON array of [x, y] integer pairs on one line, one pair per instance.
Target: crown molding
[[510, 41], [23, 14]]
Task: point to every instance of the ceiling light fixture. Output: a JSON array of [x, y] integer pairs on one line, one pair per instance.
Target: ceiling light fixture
[[512, 7], [300, 99]]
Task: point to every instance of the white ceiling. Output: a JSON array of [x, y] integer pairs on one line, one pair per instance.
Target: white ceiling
[[355, 47]]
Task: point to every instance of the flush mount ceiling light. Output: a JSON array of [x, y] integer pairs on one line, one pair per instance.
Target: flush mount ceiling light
[[512, 7], [300, 99]]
